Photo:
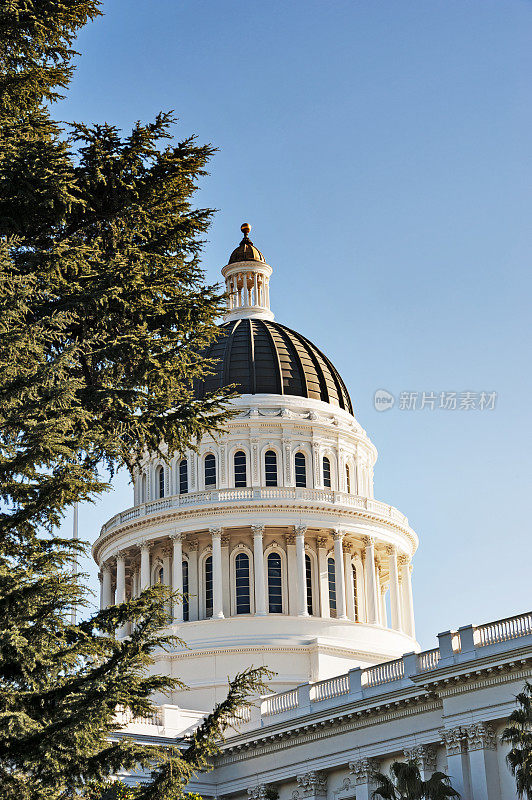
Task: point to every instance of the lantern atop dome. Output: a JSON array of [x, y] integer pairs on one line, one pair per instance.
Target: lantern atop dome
[[247, 280]]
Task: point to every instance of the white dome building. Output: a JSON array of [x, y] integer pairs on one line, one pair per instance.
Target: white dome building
[[271, 531]]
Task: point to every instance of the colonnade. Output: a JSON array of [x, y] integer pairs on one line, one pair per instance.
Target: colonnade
[[370, 596]]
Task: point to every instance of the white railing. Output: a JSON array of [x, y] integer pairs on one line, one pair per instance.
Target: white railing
[[503, 629], [428, 659], [240, 717], [384, 673], [332, 687], [278, 703], [289, 493], [125, 717]]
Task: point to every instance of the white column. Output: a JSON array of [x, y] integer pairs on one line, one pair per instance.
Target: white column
[[217, 594], [408, 602], [384, 616], [395, 596], [120, 578], [107, 590], [256, 289], [363, 771], [193, 580], [292, 573], [258, 570], [349, 583], [302, 610], [177, 575], [483, 766], [226, 583], [325, 610], [339, 574], [371, 583], [144, 566], [457, 765]]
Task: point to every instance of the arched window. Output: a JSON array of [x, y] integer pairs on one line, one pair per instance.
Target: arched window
[[270, 467], [348, 479], [144, 493], [308, 576], [301, 469], [243, 599], [355, 591], [160, 481], [275, 584], [240, 468], [331, 572], [208, 586], [326, 472], [186, 607], [210, 470], [183, 476]]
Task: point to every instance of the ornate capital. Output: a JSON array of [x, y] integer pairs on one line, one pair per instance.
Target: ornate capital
[[481, 736], [257, 792], [176, 536], [193, 544], [403, 560], [363, 769], [300, 530], [322, 541], [390, 550], [453, 739], [290, 538], [216, 533], [144, 544], [258, 530], [226, 540], [338, 534], [424, 755], [312, 784], [368, 541], [167, 552]]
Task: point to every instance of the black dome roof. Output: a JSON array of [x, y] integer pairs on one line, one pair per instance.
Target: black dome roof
[[263, 357]]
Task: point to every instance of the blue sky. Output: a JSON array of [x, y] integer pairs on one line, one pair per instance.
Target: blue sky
[[381, 151]]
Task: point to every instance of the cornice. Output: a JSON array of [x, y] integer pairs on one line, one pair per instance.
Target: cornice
[[177, 515]]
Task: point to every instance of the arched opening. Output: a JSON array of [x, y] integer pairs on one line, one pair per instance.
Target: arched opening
[[326, 472], [183, 476], [270, 467], [186, 607], [348, 479], [210, 470], [301, 469], [308, 578], [208, 586], [159, 576], [242, 587], [355, 593], [275, 584], [160, 481], [331, 574], [239, 462]]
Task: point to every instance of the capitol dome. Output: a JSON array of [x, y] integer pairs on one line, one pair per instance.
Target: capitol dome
[[269, 531], [263, 357]]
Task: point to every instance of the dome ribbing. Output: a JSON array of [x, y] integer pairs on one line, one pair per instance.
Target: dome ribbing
[[263, 357]]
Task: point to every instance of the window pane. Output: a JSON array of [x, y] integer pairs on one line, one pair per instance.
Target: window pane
[[183, 476], [243, 603], [210, 470], [208, 586], [186, 609], [355, 592], [160, 476], [308, 576], [301, 470], [270, 464], [332, 586], [275, 589], [240, 468], [348, 478], [326, 473]]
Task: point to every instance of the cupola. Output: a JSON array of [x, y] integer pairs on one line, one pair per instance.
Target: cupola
[[247, 280]]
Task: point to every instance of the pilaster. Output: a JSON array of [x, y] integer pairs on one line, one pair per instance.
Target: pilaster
[[483, 766]]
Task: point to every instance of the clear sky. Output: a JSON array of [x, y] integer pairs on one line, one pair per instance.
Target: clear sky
[[381, 151]]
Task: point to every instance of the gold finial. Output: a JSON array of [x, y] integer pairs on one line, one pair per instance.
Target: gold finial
[[245, 228]]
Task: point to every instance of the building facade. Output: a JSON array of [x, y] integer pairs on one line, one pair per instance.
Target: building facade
[[284, 558]]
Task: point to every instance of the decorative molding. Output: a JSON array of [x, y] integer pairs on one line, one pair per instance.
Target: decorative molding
[[290, 538], [225, 540], [257, 792], [424, 754], [216, 533], [322, 541], [300, 530], [312, 784], [481, 736], [363, 769], [454, 740], [258, 530]]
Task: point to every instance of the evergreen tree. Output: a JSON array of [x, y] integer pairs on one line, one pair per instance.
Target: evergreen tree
[[519, 735], [103, 316]]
